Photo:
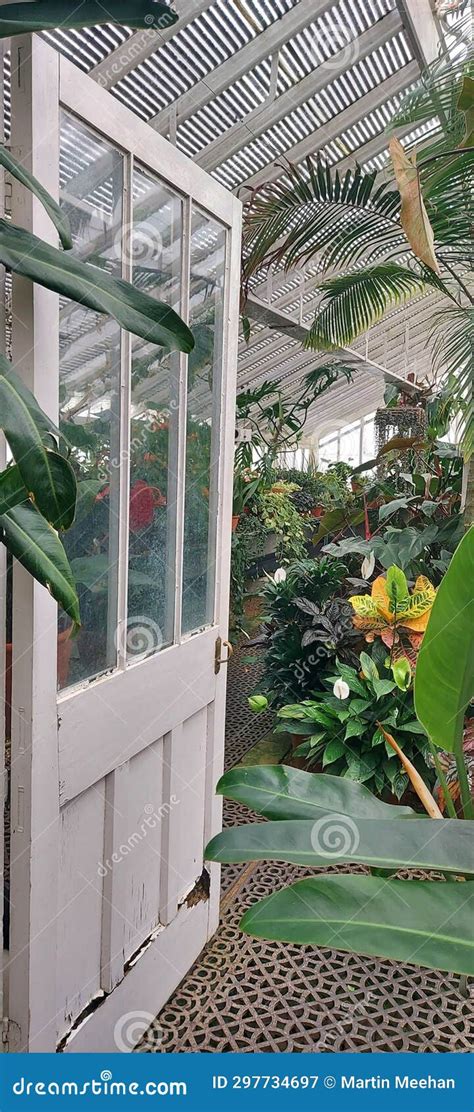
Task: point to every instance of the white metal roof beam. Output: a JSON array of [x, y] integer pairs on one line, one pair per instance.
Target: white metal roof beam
[[142, 44], [342, 122], [267, 116], [422, 28], [266, 43], [272, 318]]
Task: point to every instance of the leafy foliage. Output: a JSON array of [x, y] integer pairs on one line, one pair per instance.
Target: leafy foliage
[[323, 820], [344, 734], [304, 604]]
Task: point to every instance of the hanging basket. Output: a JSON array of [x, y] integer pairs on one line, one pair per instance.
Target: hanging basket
[[407, 421]]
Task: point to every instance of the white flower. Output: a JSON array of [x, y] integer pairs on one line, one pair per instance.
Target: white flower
[[280, 575], [368, 566], [341, 689]]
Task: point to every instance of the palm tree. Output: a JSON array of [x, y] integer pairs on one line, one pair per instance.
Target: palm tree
[[379, 243]]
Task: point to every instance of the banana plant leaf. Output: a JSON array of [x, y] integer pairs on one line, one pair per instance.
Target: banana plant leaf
[[280, 792], [54, 211], [444, 681], [36, 545], [46, 475], [135, 311], [420, 922], [335, 839], [43, 15]]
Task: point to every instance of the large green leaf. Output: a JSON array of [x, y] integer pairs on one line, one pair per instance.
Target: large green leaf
[[36, 545], [334, 839], [12, 489], [280, 792], [444, 681], [135, 311], [47, 476], [427, 923], [54, 211], [41, 15]]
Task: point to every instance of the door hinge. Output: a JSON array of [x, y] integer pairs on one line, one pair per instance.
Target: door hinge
[[5, 1030], [220, 645]]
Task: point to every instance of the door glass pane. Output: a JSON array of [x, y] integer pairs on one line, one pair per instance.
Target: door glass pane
[[202, 431], [156, 252], [89, 392]]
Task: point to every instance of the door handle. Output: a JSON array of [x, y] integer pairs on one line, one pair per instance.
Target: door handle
[[218, 659]]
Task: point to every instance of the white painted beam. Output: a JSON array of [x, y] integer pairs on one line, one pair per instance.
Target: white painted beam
[[267, 43], [273, 318], [344, 120], [267, 116], [143, 43], [422, 27]]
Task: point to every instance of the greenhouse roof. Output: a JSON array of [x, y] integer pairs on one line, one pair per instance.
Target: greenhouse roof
[[242, 86]]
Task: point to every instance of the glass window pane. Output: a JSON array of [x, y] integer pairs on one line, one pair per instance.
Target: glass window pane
[[204, 366], [368, 440], [156, 248], [89, 392], [349, 451], [327, 453]]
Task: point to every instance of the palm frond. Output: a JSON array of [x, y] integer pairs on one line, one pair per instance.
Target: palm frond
[[437, 91], [448, 191], [453, 362], [354, 302], [314, 211]]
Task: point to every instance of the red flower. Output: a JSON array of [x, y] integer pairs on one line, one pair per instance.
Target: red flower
[[142, 505]]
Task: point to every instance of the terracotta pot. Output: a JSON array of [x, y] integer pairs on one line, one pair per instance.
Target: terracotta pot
[[64, 656], [235, 521], [317, 511]]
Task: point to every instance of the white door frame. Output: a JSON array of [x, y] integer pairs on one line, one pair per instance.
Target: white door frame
[[42, 80]]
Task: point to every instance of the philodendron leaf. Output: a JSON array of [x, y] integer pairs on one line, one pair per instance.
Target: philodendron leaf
[[281, 792], [54, 211], [43, 15], [135, 311], [48, 478], [420, 922], [36, 545], [444, 678], [413, 214], [333, 839]]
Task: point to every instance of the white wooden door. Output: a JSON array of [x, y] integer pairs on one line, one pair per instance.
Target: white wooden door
[[114, 775]]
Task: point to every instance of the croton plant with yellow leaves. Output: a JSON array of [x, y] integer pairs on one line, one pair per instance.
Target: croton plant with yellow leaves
[[395, 613]]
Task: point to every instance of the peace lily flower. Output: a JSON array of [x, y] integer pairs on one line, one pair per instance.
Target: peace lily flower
[[341, 689], [368, 566], [280, 575]]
